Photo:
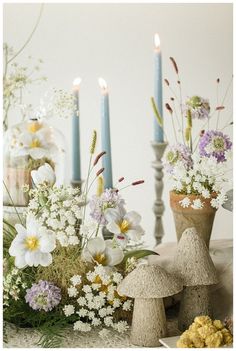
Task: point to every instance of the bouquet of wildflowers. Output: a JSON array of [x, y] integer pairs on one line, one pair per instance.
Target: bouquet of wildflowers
[[58, 268], [198, 164]]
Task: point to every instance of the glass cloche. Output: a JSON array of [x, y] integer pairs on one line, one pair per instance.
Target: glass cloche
[[27, 146]]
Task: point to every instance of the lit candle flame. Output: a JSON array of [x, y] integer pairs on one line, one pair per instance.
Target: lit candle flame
[[76, 82], [102, 83], [157, 41]]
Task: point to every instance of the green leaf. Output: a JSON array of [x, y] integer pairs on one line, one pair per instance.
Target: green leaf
[[139, 254], [156, 112]]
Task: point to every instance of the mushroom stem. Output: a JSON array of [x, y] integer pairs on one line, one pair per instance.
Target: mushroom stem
[[195, 301], [149, 322]]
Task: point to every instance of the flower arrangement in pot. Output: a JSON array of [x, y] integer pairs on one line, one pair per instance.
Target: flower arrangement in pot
[[198, 161], [59, 271]]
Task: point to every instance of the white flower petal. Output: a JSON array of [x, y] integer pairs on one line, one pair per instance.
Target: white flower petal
[[114, 256], [135, 233], [96, 245], [20, 261], [47, 243], [32, 225], [32, 258], [133, 217], [45, 259], [20, 229], [17, 246], [113, 228], [38, 153], [112, 214]]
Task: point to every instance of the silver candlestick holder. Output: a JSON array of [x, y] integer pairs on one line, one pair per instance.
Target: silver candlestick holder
[[158, 207]]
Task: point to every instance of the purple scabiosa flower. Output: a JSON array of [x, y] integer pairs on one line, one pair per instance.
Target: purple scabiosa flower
[[214, 143], [175, 154], [198, 107], [99, 204], [43, 296]]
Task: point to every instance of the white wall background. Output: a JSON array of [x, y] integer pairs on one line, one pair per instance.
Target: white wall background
[[116, 42]]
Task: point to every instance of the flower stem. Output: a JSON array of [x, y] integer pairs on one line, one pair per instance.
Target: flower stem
[[8, 193]]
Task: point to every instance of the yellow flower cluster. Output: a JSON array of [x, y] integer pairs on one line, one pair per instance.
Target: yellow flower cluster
[[204, 332]]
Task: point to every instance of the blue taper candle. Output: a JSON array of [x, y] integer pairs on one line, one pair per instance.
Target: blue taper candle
[[105, 134], [158, 130], [76, 168]]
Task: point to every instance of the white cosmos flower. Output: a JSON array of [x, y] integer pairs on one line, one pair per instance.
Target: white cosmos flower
[[44, 174], [103, 252], [37, 145], [125, 226], [33, 244]]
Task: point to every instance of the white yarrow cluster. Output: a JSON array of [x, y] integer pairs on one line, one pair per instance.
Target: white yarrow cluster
[[96, 301], [206, 176], [60, 209]]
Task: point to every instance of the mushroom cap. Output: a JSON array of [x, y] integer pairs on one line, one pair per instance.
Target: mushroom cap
[[192, 261], [149, 282]]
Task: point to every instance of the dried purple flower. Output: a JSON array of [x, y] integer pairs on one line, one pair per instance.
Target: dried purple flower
[[43, 296], [177, 153], [174, 64], [214, 143], [108, 199]]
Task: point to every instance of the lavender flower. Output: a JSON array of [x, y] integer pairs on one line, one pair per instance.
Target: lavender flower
[[198, 107], [99, 204], [43, 296], [214, 143], [175, 154]]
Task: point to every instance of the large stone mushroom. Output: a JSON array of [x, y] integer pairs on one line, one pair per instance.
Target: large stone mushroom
[[193, 264], [148, 285]]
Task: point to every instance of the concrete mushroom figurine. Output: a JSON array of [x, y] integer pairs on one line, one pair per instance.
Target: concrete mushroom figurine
[[148, 285], [193, 264]]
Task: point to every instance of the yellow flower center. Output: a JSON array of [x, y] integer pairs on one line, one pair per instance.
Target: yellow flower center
[[124, 226], [32, 243], [35, 143], [33, 127], [100, 258]]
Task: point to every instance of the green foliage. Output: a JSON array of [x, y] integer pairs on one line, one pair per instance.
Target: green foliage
[[52, 332], [139, 254]]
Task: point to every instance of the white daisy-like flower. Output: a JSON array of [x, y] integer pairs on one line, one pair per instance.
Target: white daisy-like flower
[[96, 286], [185, 202], [32, 245], [116, 303], [108, 321], [96, 322], [197, 204], [73, 240], [206, 193], [117, 278], [87, 289], [91, 314], [82, 301], [214, 203], [69, 310], [109, 310], [127, 305], [76, 280], [121, 326], [125, 226], [103, 252], [72, 291], [89, 296], [70, 230], [102, 312], [44, 174], [82, 312]]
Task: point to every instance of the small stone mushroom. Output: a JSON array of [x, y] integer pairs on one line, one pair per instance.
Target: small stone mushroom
[[193, 264], [148, 284]]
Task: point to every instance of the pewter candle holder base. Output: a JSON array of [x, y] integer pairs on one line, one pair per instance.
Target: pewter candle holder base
[[158, 208]]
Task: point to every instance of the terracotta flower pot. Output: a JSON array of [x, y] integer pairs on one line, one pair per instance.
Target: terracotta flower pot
[[202, 219]]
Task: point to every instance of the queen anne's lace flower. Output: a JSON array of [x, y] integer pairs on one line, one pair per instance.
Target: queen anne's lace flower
[[185, 202], [68, 310], [43, 296], [197, 204]]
